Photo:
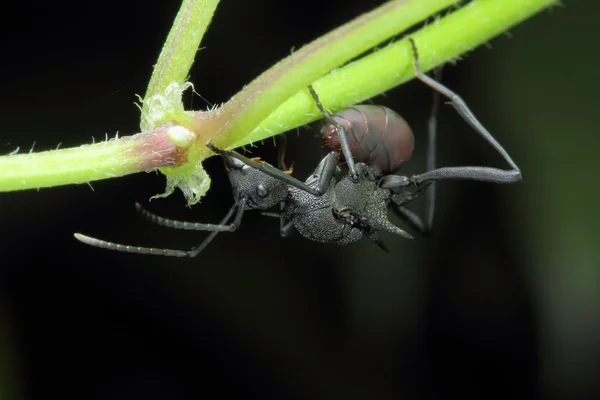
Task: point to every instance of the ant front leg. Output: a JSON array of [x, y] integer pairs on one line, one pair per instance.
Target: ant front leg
[[326, 171], [483, 174]]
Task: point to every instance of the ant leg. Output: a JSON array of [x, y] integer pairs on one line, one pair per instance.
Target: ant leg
[[330, 162], [343, 138], [374, 237], [481, 174], [163, 252], [484, 174], [324, 172], [432, 155], [191, 226], [286, 228], [408, 216], [412, 219], [394, 182], [270, 214], [194, 251]]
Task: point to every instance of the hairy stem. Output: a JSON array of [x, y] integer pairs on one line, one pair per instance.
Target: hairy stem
[[277, 100], [261, 97], [178, 52], [438, 42], [109, 159]]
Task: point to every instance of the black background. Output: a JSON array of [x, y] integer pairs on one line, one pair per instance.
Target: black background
[[502, 301]]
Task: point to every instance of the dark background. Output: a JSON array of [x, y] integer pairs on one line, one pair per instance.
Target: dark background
[[502, 301]]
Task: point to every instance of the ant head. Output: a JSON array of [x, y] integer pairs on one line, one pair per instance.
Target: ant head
[[260, 190]]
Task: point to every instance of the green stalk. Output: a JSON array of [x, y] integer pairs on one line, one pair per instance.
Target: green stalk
[[276, 101], [109, 159], [178, 53], [261, 97], [438, 42]]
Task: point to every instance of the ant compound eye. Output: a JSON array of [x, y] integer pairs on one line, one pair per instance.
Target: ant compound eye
[[261, 191]]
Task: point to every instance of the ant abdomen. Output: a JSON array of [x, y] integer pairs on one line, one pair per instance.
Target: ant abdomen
[[377, 136]]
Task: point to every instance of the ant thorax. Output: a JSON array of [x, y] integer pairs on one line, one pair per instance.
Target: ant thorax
[[344, 213], [363, 203]]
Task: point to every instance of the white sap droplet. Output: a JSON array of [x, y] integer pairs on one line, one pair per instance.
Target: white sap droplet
[[180, 136]]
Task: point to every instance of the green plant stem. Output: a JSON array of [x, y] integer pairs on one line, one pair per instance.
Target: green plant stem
[[109, 159], [239, 121], [263, 95], [179, 50], [439, 42]]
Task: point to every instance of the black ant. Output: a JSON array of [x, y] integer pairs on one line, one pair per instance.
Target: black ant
[[326, 210]]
